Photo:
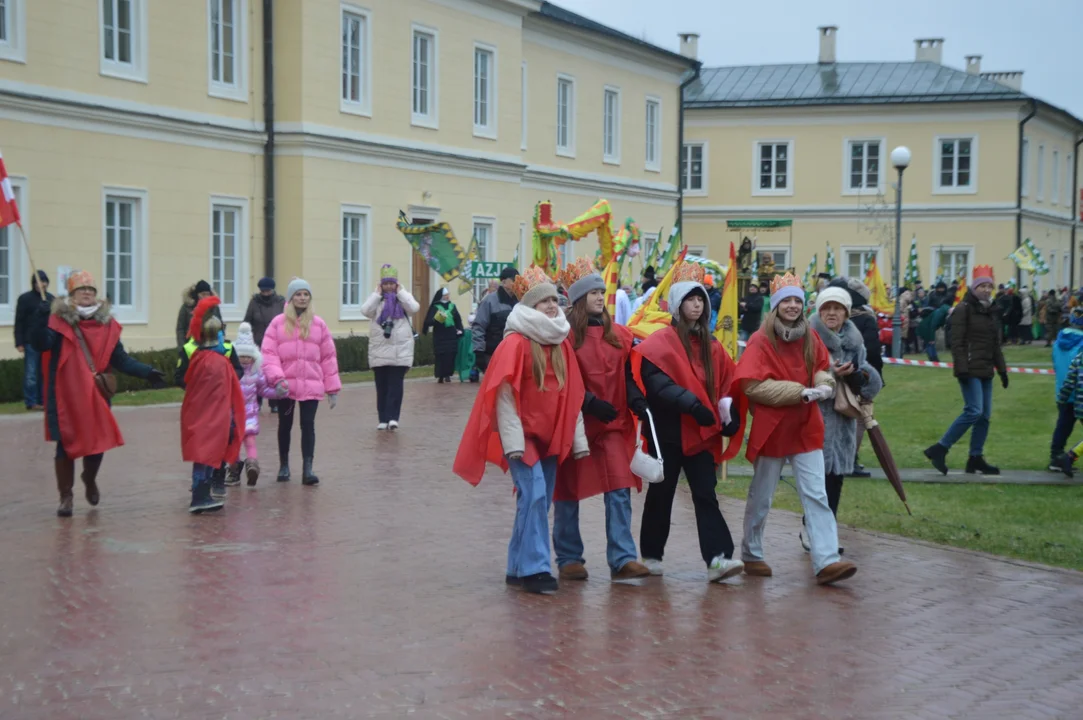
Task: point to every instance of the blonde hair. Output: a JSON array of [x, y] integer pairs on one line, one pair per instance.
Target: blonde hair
[[295, 321], [538, 354], [211, 327], [809, 346]]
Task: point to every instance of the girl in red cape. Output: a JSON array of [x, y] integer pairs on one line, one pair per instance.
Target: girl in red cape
[[77, 417], [212, 414], [527, 420], [784, 374], [602, 350], [687, 378]]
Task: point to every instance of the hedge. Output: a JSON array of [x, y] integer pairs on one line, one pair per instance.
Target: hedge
[[353, 356]]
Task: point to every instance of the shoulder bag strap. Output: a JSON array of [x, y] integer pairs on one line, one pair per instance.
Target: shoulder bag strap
[[86, 350], [654, 435]]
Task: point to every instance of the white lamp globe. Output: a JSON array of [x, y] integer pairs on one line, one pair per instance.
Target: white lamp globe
[[900, 157]]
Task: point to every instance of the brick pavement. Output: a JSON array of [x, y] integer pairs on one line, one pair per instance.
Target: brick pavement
[[380, 594]]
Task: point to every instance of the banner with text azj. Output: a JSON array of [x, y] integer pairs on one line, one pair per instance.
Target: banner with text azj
[[437, 244]]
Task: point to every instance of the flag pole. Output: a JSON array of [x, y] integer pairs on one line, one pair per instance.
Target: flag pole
[[30, 257]]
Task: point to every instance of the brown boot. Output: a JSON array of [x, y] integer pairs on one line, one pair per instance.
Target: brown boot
[[91, 465], [632, 570], [65, 480], [251, 470], [574, 571], [757, 568], [836, 571]]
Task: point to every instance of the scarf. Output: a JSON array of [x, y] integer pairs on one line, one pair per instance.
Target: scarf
[[87, 312], [449, 317], [537, 326], [786, 333], [392, 310]]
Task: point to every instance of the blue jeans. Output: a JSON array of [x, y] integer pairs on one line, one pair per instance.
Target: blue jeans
[[620, 547], [977, 407], [930, 352], [31, 377], [528, 550], [201, 474]]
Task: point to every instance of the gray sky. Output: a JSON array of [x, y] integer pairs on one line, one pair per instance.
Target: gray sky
[[1038, 37]]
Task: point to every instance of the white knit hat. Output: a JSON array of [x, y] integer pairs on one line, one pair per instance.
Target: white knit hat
[[245, 345], [835, 295]]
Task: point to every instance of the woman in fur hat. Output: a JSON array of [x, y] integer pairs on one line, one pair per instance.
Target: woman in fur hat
[[81, 342], [527, 420], [192, 295], [391, 343]]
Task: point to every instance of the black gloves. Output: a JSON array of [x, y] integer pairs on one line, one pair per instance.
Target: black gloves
[[1004, 380], [963, 378], [601, 409], [703, 415], [157, 379], [639, 407]]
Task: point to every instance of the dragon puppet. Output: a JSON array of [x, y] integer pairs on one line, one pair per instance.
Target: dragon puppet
[[550, 235]]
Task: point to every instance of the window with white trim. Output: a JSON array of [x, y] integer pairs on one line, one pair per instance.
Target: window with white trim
[[780, 256], [226, 241], [5, 21], [424, 78], [649, 241], [858, 260], [356, 61], [611, 126], [565, 115], [525, 105], [692, 167], [12, 23], [10, 271], [354, 259], [1041, 171], [864, 164], [1026, 167], [1055, 195], [653, 150], [483, 232], [484, 91], [952, 264], [123, 39], [123, 244], [226, 23], [774, 166], [956, 162]]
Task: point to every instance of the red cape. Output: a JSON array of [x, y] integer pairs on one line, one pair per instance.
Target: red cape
[[664, 349], [548, 417], [212, 401], [611, 445], [86, 422], [782, 431]]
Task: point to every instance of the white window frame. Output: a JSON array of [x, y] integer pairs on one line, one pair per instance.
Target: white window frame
[[238, 89], [350, 311], [136, 70], [847, 144], [1054, 195], [1066, 269], [567, 150], [487, 254], [776, 249], [934, 266], [652, 136], [611, 158], [647, 243], [1041, 174], [970, 189], [138, 312], [232, 312], [488, 130], [363, 105], [772, 192], [1026, 167], [13, 47], [18, 265], [430, 119], [843, 265], [525, 249], [702, 190]]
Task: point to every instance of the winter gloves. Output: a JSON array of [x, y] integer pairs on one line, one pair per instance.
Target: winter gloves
[[1004, 380], [724, 405], [157, 379], [639, 407], [600, 409], [702, 414], [282, 389], [332, 400], [818, 393]]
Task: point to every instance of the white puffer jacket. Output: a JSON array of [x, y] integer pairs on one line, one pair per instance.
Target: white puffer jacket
[[398, 350]]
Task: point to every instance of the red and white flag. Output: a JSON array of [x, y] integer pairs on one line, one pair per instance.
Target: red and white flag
[[9, 211]]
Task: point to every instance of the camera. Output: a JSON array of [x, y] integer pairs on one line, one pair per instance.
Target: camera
[[388, 326]]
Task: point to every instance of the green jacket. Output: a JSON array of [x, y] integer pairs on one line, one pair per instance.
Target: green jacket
[[932, 322]]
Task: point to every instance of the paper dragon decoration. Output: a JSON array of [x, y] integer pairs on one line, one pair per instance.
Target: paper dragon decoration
[[549, 235]]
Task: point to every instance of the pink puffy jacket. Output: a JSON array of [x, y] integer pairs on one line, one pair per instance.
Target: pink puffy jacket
[[310, 366]]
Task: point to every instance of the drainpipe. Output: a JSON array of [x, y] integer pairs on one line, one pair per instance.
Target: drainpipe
[[680, 147], [269, 146], [1075, 208], [1019, 188]]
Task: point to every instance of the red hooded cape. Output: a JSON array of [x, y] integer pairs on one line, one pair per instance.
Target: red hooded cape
[[611, 445], [782, 431], [86, 422], [548, 417], [212, 401], [664, 349]]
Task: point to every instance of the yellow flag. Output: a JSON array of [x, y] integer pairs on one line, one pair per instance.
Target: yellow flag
[[878, 298], [654, 314], [961, 292], [726, 328], [610, 277]]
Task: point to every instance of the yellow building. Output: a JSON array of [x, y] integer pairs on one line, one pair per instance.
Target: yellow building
[[142, 138], [810, 143]]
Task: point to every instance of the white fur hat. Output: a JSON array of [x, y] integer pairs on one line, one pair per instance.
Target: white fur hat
[[835, 295]]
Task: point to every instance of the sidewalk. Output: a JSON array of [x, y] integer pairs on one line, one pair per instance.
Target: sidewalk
[[930, 475]]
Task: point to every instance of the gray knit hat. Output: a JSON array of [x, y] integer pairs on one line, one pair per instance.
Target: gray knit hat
[[583, 286], [297, 285]]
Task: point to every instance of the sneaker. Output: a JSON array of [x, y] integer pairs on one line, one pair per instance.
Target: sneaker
[[1063, 464], [210, 504], [541, 584], [382, 426], [938, 455], [804, 541], [654, 567], [393, 425], [1053, 466], [630, 571], [860, 472], [233, 475], [977, 464], [512, 580], [722, 568], [836, 571], [574, 571]]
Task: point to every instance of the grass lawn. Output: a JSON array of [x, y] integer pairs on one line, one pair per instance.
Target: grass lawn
[[175, 395], [1036, 523], [1035, 355]]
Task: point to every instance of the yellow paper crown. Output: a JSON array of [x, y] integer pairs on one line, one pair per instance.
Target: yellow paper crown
[[689, 272], [531, 278], [576, 272], [780, 281]]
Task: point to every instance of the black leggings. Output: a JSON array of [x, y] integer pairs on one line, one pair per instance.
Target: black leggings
[[834, 492], [308, 427]]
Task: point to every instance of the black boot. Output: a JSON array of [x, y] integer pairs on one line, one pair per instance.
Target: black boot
[[91, 465], [65, 480], [859, 470], [938, 455], [977, 464], [307, 476], [1063, 463], [218, 483], [284, 468], [542, 584]]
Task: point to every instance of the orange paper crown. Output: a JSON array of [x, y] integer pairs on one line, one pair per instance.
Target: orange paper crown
[[983, 271], [576, 272], [780, 281], [689, 272], [530, 278]]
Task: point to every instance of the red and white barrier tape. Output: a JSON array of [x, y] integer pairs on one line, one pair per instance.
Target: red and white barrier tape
[[929, 363]]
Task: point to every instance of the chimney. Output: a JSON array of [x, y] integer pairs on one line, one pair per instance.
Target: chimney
[[690, 45], [827, 44], [973, 64], [1012, 79], [929, 50]]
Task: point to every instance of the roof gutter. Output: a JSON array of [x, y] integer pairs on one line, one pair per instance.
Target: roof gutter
[[680, 144], [1019, 187], [1075, 208], [269, 145]]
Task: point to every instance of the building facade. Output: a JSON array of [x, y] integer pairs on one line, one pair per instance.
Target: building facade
[[811, 143], [137, 136]]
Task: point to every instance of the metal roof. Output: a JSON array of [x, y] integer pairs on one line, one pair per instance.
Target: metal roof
[[561, 15], [840, 84]]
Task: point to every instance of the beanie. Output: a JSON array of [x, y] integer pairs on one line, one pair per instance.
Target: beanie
[[201, 287], [267, 283], [539, 292], [834, 294], [297, 285], [679, 292], [583, 287], [245, 344]]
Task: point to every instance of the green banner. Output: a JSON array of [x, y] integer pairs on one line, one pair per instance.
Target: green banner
[[437, 244], [480, 270], [757, 224]]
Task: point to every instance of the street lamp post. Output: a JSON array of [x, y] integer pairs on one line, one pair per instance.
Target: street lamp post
[[900, 158]]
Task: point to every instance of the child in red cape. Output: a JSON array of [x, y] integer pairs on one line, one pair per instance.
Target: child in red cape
[[602, 349], [784, 374], [212, 414], [527, 420], [688, 381]]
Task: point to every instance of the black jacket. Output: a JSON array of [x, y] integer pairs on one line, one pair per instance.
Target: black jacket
[[750, 321], [261, 311], [668, 401], [25, 309], [445, 340], [865, 322]]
